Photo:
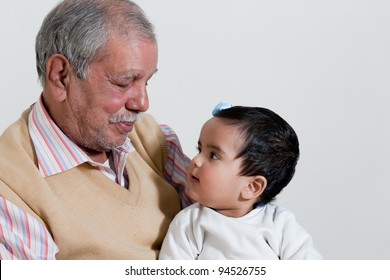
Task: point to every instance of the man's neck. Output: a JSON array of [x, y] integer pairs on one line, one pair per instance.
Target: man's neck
[[97, 156]]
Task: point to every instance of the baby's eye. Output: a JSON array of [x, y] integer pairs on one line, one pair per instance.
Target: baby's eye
[[198, 149], [214, 156]]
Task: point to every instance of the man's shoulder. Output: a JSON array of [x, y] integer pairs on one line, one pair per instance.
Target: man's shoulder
[[149, 141], [16, 136], [15, 145], [145, 120]]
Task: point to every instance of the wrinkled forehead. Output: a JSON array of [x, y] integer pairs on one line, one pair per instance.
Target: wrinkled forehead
[[129, 54]]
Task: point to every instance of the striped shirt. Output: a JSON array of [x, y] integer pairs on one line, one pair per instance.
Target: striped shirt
[[24, 237]]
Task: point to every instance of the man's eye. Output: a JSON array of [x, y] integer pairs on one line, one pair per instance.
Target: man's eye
[[123, 85], [122, 82]]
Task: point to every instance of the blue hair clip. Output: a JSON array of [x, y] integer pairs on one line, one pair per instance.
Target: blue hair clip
[[221, 106]]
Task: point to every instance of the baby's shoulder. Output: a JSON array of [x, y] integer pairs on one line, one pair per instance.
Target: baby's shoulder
[[188, 212], [277, 212]]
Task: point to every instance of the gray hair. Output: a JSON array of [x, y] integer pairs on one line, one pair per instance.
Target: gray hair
[[79, 30]]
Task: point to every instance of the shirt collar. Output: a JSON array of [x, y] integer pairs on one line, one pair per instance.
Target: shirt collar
[[56, 153]]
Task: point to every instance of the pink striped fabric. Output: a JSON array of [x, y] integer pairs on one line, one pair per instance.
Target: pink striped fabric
[[21, 235], [175, 171]]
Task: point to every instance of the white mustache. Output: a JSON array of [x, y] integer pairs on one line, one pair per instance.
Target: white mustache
[[133, 117]]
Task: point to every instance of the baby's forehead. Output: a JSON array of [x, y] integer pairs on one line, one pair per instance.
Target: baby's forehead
[[216, 123], [220, 130], [222, 123]]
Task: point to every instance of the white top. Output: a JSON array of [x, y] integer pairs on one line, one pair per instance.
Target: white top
[[267, 232]]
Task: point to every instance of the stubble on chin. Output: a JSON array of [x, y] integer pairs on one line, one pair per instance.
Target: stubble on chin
[[103, 138], [99, 142]]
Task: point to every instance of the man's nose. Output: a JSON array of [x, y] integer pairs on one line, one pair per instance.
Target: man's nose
[[138, 99]]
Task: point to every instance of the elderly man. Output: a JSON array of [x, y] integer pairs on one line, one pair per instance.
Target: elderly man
[[83, 175]]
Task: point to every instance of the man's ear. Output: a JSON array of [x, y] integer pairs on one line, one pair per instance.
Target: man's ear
[[256, 186], [57, 76]]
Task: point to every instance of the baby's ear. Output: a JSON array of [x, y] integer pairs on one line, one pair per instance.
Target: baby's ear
[[256, 186]]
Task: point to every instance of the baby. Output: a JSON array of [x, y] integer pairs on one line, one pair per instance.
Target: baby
[[247, 155]]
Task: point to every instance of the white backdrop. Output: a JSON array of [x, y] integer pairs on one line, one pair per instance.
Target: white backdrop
[[322, 65]]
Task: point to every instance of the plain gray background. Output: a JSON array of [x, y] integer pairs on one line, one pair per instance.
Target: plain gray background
[[322, 65]]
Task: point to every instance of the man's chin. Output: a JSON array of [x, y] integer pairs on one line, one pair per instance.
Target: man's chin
[[107, 146], [118, 143]]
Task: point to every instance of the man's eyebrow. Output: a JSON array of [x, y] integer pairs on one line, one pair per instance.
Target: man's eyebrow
[[131, 76], [127, 76], [122, 77]]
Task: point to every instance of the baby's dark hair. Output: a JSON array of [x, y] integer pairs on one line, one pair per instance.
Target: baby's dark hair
[[270, 146]]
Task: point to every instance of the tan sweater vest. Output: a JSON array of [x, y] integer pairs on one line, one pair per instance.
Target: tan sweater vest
[[88, 215]]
